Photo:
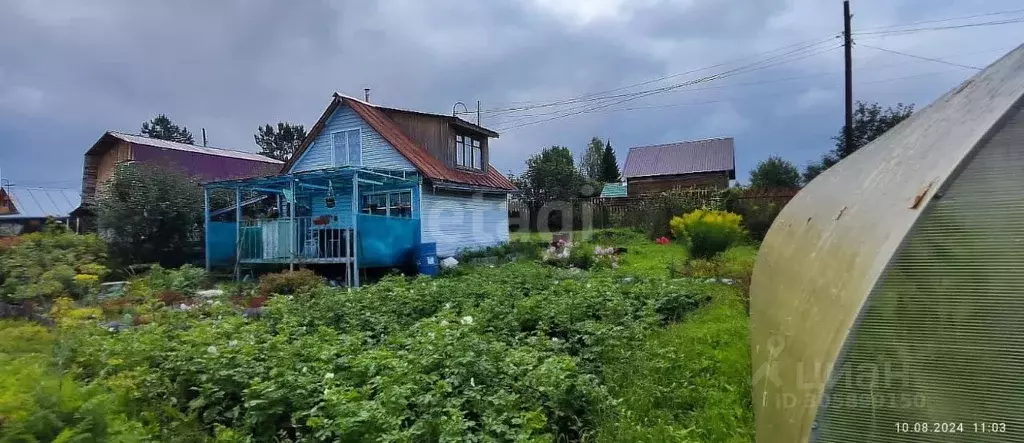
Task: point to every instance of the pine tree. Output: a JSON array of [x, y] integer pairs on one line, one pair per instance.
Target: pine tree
[[609, 165], [161, 127], [282, 143]]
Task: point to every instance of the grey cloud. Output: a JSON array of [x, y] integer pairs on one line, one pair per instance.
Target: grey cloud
[[81, 68]]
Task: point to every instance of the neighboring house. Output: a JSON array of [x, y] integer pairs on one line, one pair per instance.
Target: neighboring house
[[654, 169], [387, 178], [614, 190], [24, 209], [204, 163]]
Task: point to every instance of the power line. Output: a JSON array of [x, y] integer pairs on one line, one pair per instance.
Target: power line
[[919, 57], [526, 117], [943, 20], [823, 74], [635, 96], [672, 105], [736, 71], [873, 32], [602, 95], [939, 28]]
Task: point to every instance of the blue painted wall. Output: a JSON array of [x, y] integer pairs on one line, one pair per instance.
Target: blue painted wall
[[377, 152], [463, 221], [221, 241]]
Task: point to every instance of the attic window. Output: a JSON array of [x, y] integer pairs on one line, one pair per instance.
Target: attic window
[[468, 152], [347, 148]]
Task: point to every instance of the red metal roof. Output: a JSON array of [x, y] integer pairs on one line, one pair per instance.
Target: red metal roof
[[716, 154], [431, 167]]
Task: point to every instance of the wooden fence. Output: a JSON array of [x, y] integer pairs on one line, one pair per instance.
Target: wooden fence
[[649, 213]]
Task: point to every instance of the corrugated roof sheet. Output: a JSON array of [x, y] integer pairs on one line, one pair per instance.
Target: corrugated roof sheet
[[611, 190], [142, 140], [714, 154], [431, 167], [41, 202]]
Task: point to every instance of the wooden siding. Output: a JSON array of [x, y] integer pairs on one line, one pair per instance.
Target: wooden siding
[[99, 168], [662, 183], [463, 221], [377, 153], [435, 134], [432, 133]]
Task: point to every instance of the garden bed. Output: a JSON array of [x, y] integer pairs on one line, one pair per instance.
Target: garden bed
[[518, 351]]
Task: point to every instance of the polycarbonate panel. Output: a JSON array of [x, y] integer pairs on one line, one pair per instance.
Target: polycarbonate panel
[[937, 354]]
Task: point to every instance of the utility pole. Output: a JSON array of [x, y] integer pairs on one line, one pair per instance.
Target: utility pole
[[848, 45], [478, 112]]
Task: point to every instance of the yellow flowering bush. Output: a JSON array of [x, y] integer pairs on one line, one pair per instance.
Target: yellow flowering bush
[[708, 232]]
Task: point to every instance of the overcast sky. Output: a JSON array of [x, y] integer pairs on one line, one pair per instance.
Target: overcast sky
[[71, 69]]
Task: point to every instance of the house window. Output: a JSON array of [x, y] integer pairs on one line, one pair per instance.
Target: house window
[[348, 148], [391, 204], [468, 152]]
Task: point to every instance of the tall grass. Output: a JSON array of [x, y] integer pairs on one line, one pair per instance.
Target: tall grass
[[689, 382]]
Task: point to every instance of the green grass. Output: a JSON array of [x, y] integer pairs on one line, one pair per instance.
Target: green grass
[[689, 382], [544, 236]]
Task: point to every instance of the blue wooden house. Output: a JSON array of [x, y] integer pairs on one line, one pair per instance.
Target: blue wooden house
[[368, 185]]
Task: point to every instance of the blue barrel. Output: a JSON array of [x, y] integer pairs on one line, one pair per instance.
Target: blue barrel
[[426, 259]]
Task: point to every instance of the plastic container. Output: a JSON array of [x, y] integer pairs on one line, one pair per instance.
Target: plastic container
[[426, 259]]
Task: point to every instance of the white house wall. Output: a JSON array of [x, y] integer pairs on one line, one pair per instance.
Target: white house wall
[[463, 221]]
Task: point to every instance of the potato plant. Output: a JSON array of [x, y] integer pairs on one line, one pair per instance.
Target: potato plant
[[510, 353]]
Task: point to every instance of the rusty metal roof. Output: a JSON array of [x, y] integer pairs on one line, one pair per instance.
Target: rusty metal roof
[[710, 155], [431, 167]]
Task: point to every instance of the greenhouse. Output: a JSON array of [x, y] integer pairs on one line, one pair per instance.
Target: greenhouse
[[887, 303]]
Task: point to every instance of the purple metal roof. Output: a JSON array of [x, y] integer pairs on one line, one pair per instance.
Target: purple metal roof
[[713, 154], [165, 144], [204, 166]]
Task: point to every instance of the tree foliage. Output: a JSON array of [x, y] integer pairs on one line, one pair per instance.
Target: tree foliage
[[161, 127], [150, 214], [550, 176], [591, 163], [775, 172], [869, 122], [609, 165], [280, 143]]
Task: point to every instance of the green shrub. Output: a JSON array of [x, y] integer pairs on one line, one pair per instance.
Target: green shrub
[[708, 232], [697, 268], [580, 256], [288, 282], [186, 280], [514, 249], [50, 264], [617, 236], [38, 403]]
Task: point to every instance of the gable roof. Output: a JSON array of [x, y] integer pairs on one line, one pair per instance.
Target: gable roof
[[165, 144], [710, 155], [431, 167], [32, 202]]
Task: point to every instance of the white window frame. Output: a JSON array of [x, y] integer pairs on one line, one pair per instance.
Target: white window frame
[[387, 201], [334, 150]]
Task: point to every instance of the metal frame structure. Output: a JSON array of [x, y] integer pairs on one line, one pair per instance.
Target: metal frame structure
[[291, 184]]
